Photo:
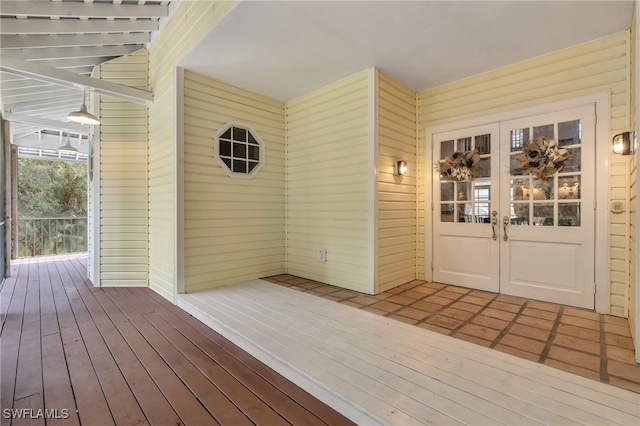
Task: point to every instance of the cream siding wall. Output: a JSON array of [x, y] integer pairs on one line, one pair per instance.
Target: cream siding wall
[[234, 228], [186, 27], [396, 124], [588, 68], [328, 183], [123, 177]]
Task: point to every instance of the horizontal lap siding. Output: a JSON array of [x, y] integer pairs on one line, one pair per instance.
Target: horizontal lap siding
[[327, 183], [234, 228], [123, 177], [588, 68], [191, 21], [396, 194]]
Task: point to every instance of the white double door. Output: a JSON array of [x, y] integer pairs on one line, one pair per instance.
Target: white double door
[[511, 233]]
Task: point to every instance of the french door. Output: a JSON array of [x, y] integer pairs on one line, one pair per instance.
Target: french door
[[508, 231]]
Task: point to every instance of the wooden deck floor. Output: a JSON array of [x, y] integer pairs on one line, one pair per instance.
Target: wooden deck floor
[[377, 370], [126, 356]]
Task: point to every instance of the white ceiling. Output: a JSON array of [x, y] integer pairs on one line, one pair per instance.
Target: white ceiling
[[280, 49], [286, 49]]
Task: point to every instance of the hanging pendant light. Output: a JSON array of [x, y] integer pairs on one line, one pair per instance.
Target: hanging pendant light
[[83, 116], [67, 148]]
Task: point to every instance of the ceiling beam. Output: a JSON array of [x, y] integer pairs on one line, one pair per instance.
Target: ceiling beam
[[71, 52], [67, 40], [29, 93], [73, 26], [74, 62], [27, 105], [69, 79], [45, 122], [77, 10]]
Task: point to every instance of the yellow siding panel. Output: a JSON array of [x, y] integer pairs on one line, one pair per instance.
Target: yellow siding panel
[[327, 183], [234, 228], [588, 68], [123, 177], [397, 199], [191, 21]]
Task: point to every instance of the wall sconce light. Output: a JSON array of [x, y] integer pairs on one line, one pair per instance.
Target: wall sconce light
[[401, 168], [622, 143]]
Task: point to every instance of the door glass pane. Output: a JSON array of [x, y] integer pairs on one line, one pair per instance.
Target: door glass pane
[[569, 133], [446, 191], [446, 149], [543, 214], [515, 166], [446, 212], [569, 187], [464, 212], [543, 189], [485, 167], [569, 214], [483, 144], [546, 130], [572, 164], [520, 189], [518, 138], [464, 191], [482, 191], [482, 211], [519, 213], [464, 144]]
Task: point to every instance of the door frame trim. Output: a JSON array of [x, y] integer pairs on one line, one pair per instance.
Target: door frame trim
[[602, 102]]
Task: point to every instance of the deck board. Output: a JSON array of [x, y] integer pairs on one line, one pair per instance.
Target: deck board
[[199, 333], [128, 357], [420, 376]]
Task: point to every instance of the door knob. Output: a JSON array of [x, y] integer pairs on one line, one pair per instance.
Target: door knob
[[505, 222], [494, 222]]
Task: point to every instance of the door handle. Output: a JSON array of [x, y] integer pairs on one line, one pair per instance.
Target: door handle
[[494, 222], [505, 222]]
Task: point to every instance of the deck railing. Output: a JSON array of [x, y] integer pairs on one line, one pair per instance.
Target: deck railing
[[44, 236]]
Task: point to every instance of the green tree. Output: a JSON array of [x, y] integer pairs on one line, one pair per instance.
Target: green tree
[[51, 189]]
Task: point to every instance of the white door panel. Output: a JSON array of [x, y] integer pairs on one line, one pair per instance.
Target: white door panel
[[549, 253], [464, 249]]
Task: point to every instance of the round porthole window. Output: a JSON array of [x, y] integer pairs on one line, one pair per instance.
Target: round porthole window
[[239, 150]]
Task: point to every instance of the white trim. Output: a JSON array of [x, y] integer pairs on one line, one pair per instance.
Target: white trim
[[47, 123], [179, 285], [373, 180], [256, 136], [602, 103], [602, 242], [97, 187]]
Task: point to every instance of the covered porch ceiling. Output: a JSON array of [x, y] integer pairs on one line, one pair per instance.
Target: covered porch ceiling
[[284, 50], [279, 49]]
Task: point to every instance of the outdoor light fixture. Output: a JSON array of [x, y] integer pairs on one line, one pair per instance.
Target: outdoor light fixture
[[401, 168], [83, 116], [622, 143], [67, 148]]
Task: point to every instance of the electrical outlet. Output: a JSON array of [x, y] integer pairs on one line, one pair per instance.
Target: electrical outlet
[[322, 255], [617, 207]]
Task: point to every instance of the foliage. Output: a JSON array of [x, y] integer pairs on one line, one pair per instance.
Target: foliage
[[52, 188]]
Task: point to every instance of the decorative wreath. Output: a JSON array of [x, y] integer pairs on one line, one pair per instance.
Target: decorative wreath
[[541, 157], [462, 165]]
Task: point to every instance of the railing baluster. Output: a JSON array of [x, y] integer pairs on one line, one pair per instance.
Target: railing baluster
[[37, 238]]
